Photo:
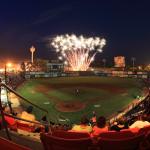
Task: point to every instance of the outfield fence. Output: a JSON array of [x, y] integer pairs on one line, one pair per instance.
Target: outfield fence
[[122, 74]]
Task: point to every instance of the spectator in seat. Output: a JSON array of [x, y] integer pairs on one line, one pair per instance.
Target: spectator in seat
[[121, 124], [93, 119], [99, 127], [45, 121], [140, 123], [83, 127], [27, 115]]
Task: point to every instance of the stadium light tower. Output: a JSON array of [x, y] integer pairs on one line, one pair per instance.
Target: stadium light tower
[[7, 66], [133, 59], [104, 62], [32, 50]]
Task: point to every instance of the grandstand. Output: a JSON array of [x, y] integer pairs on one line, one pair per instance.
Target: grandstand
[[54, 136]]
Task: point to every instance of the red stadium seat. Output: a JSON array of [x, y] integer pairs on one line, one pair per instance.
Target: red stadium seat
[[56, 143], [70, 135], [145, 145], [11, 123], [117, 135], [8, 145], [131, 143], [148, 136], [133, 130], [13, 127], [145, 130], [25, 127]]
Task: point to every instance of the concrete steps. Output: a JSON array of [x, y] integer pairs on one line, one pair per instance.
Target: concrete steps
[[27, 139]]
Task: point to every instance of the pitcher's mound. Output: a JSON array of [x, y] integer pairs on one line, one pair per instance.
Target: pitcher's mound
[[70, 106]]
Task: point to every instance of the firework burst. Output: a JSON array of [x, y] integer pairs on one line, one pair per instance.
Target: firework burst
[[77, 52]]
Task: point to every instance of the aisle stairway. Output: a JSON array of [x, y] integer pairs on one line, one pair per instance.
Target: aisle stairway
[[30, 140]]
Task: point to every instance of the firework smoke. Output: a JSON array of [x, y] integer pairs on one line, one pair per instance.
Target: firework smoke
[[77, 52]]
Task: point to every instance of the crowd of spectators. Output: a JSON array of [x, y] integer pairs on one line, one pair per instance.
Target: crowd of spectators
[[26, 117], [138, 118], [15, 80], [95, 125]]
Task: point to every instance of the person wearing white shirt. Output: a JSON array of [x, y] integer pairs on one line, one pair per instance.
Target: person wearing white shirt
[[140, 123]]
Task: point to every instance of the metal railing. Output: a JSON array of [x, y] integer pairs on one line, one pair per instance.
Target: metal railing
[[128, 109], [15, 117]]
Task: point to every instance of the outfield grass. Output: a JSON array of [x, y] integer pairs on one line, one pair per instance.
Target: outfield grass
[[105, 95]]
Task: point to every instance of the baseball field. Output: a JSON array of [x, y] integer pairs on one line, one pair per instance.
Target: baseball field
[[68, 98]]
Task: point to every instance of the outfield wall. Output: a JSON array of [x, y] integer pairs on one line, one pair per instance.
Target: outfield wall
[[123, 74]]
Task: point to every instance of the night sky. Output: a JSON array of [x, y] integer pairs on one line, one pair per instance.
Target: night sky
[[125, 24]]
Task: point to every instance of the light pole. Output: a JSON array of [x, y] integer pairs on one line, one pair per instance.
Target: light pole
[[7, 65], [32, 50], [133, 59], [6, 82], [104, 62], [5, 75], [2, 114]]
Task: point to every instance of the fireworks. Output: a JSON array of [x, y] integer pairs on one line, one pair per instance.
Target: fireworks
[[77, 52]]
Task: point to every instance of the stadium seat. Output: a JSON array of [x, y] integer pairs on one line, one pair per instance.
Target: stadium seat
[[133, 130], [148, 136], [70, 135], [145, 145], [117, 135], [131, 143], [25, 127], [8, 145], [56, 143], [13, 127], [145, 130]]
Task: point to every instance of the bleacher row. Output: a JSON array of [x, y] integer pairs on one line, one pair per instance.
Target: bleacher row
[[127, 139], [124, 140]]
